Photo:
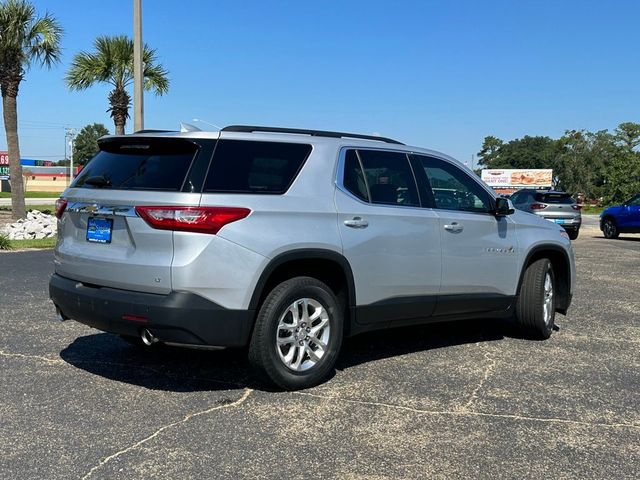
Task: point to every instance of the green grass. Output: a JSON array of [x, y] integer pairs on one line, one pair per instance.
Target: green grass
[[48, 209], [33, 194], [42, 243], [592, 210]]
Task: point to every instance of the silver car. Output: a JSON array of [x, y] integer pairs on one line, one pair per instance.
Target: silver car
[[557, 207], [288, 240]]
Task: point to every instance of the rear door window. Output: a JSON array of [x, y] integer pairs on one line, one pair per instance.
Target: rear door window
[[158, 164], [240, 166], [389, 178]]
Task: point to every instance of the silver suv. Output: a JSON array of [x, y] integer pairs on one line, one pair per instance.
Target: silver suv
[[287, 240], [557, 207]]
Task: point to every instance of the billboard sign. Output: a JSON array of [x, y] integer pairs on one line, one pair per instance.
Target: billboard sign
[[518, 178]]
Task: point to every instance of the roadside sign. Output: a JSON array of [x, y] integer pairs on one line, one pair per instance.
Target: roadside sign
[[518, 178]]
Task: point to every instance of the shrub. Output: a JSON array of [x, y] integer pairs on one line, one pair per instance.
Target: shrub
[[5, 243]]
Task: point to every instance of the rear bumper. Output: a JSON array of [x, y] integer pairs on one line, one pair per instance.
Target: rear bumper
[[178, 317], [572, 223]]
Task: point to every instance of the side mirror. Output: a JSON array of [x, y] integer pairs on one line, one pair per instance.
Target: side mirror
[[503, 207]]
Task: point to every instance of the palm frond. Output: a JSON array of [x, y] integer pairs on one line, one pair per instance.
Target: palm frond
[[43, 40], [86, 69], [24, 37], [155, 75]]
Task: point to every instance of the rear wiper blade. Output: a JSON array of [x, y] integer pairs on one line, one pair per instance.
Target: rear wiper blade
[[98, 181]]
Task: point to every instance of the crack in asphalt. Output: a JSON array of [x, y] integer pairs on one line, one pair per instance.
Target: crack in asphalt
[[465, 411], [186, 418], [52, 361], [488, 371], [462, 413]]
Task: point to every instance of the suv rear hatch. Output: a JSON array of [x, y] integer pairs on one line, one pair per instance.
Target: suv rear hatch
[[102, 240]]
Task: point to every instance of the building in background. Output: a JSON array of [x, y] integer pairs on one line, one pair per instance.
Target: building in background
[[38, 175]]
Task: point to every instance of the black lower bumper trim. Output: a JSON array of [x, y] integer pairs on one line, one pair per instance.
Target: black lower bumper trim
[[178, 317]]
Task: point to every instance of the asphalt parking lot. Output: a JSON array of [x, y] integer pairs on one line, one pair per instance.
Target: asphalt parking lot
[[463, 400]]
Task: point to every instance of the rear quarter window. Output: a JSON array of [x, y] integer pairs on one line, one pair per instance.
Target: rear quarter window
[[241, 166]]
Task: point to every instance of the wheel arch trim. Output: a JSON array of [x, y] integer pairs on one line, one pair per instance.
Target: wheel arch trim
[[541, 249], [303, 254]]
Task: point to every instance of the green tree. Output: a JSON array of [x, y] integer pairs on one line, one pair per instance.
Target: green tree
[[622, 177], [112, 63], [628, 134], [86, 143], [25, 39], [622, 173], [526, 152], [581, 165], [490, 151]]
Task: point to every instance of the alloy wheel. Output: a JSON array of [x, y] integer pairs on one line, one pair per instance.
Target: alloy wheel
[[303, 334]]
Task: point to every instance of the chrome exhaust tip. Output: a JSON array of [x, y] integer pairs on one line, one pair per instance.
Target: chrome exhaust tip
[[147, 337], [61, 317]]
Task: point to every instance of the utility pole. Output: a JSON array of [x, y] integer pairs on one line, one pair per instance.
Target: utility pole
[[69, 137], [138, 68]]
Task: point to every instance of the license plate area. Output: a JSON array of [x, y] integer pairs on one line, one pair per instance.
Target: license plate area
[[99, 229]]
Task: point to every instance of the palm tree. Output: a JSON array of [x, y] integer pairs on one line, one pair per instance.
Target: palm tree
[[24, 39], [112, 63]]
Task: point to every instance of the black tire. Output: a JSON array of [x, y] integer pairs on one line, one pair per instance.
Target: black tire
[[264, 353], [609, 228], [530, 306], [573, 234]]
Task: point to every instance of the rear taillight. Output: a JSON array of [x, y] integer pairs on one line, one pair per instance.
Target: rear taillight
[[191, 219], [61, 206], [576, 207], [538, 206]]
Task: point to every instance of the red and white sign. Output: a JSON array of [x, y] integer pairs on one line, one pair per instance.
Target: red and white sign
[[4, 158], [535, 177]]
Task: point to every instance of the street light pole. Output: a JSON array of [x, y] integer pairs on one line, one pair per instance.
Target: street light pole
[[70, 136], [138, 77]]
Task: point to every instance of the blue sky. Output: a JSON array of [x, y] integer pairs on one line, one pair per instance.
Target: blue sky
[[437, 74]]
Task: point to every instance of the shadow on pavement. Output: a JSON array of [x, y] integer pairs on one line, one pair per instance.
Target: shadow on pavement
[[186, 370], [621, 237], [382, 344]]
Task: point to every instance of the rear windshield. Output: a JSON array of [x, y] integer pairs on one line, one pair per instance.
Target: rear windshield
[[160, 164], [255, 167], [563, 198]]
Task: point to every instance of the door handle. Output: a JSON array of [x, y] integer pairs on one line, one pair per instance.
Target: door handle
[[356, 222], [454, 227]]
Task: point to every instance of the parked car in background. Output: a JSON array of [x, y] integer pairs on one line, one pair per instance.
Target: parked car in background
[[623, 218], [557, 207]]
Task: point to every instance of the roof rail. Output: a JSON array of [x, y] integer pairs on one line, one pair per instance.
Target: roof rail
[[155, 131], [313, 133]]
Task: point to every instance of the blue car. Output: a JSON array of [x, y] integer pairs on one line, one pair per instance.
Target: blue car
[[623, 218]]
